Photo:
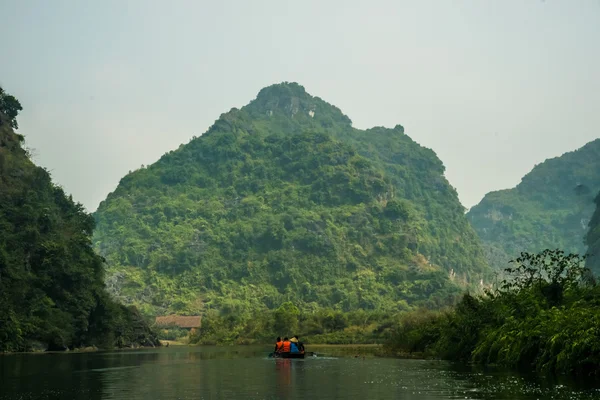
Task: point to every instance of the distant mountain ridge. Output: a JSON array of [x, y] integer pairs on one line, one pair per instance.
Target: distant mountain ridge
[[284, 200], [550, 208]]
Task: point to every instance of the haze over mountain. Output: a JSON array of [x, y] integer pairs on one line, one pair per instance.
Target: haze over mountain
[[283, 200], [123, 83], [550, 208]]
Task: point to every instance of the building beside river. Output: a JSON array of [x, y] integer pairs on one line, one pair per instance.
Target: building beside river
[[190, 323]]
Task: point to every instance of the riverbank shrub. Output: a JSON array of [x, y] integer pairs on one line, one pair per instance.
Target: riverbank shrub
[[544, 316], [174, 333], [322, 326]]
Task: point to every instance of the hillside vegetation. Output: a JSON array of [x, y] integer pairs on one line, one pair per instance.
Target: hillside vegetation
[[593, 240], [284, 201], [51, 282], [550, 208]]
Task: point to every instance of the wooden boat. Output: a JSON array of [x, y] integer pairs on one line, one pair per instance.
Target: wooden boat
[[291, 355], [287, 355]]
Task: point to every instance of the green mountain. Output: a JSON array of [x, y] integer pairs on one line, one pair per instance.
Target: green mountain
[[592, 239], [283, 200], [550, 208], [51, 281]]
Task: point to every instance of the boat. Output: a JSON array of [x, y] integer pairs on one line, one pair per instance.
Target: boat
[[287, 355], [291, 355]]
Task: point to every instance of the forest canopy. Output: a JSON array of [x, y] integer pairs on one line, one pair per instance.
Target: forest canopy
[[52, 292]]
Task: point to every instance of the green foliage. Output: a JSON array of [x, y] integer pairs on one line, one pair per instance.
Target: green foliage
[[51, 281], [286, 317], [593, 240], [173, 333], [284, 201], [324, 325], [10, 107], [550, 208], [544, 316]]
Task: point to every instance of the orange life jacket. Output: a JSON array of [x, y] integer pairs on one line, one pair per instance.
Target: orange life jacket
[[286, 346], [279, 345]]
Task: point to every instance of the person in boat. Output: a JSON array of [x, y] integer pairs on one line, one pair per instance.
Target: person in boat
[[294, 345], [278, 345], [286, 346], [299, 344]]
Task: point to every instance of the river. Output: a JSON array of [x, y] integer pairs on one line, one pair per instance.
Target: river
[[245, 372]]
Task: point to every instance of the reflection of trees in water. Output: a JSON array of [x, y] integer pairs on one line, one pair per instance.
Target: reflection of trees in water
[[60, 376]]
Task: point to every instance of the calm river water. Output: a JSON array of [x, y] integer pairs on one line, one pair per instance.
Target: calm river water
[[246, 373]]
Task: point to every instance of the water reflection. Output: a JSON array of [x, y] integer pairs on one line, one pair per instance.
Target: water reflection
[[283, 369], [247, 373]]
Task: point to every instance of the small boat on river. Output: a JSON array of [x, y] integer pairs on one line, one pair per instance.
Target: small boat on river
[[289, 348], [288, 355]]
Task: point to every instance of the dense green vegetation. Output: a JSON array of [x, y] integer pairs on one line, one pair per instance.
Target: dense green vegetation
[[314, 327], [545, 316], [10, 107], [284, 201], [550, 208], [593, 240], [51, 282]]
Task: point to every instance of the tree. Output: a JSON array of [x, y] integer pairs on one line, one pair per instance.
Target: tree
[[286, 318], [10, 106], [51, 280]]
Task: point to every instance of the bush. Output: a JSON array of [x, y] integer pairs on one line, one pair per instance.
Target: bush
[[544, 316]]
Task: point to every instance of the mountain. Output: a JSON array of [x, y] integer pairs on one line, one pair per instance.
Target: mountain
[[51, 281], [550, 208], [593, 239], [283, 200]]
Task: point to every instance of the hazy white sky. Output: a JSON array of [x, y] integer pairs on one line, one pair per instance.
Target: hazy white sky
[[494, 86]]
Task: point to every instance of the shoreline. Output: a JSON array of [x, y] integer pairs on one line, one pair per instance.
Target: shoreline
[[79, 350], [362, 349]]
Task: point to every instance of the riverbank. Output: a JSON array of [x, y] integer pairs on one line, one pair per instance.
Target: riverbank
[[342, 350], [79, 350], [545, 318], [168, 343], [89, 349]]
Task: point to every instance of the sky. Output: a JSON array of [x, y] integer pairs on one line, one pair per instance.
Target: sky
[[493, 87]]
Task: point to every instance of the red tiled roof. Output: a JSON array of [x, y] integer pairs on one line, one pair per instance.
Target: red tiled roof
[[179, 320]]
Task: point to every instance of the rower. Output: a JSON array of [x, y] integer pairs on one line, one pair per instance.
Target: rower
[[278, 345]]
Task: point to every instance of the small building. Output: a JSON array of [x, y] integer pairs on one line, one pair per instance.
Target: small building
[[192, 322]]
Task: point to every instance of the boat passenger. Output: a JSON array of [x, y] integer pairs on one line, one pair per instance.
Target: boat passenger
[[278, 345], [299, 344], [294, 345], [285, 346]]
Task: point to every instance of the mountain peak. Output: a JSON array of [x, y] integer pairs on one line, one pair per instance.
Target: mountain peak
[[283, 90], [291, 100], [281, 195]]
